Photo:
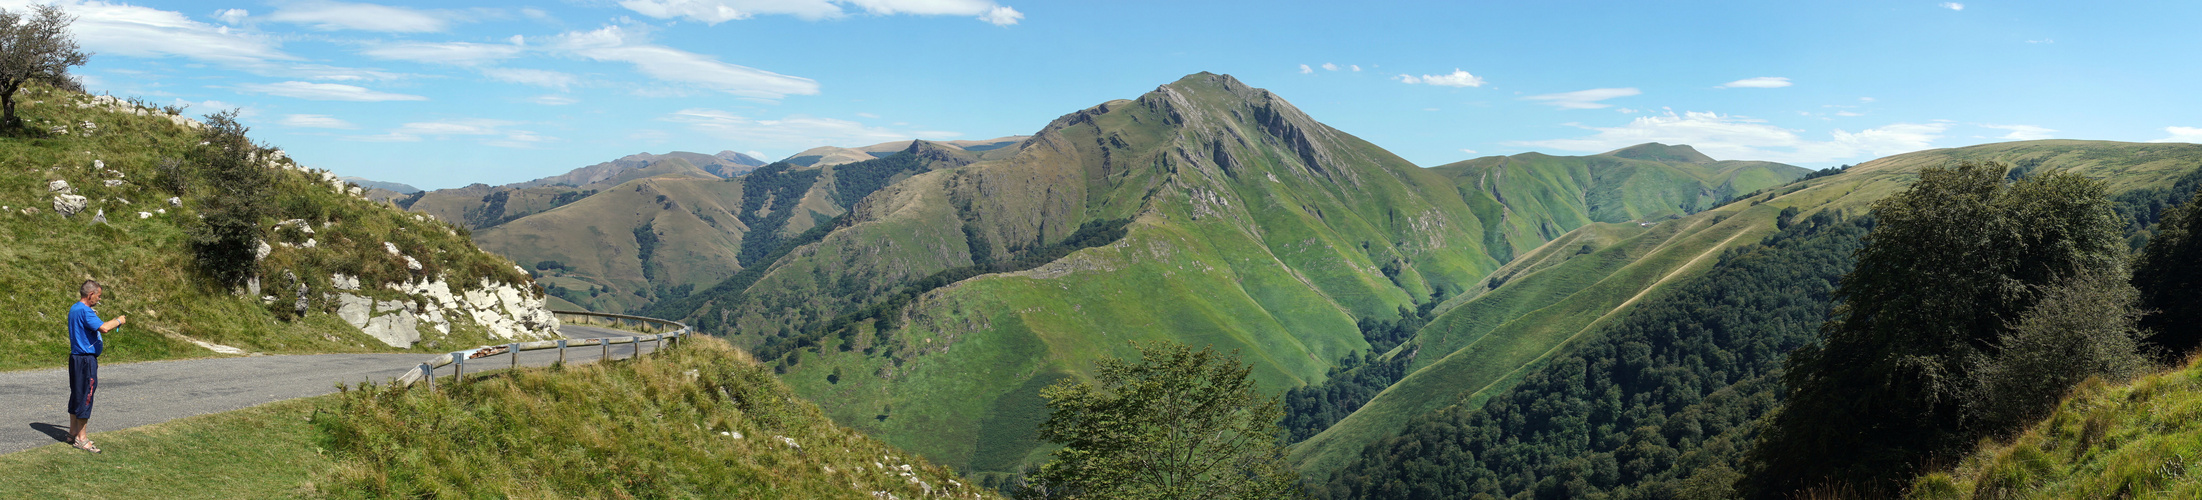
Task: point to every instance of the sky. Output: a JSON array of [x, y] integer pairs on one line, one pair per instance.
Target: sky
[[445, 94]]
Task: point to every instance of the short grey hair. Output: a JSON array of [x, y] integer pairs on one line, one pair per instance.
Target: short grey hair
[[90, 287]]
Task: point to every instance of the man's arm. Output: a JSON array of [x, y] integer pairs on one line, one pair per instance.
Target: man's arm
[[112, 324]]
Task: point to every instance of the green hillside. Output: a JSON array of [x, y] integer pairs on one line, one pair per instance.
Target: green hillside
[[666, 231], [348, 263], [1250, 227], [1506, 317], [1541, 196], [2136, 440]]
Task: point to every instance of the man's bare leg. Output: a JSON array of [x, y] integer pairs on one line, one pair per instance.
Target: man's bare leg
[[76, 429]]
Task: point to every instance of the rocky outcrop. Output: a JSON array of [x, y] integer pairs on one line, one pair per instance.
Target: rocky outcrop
[[506, 311]]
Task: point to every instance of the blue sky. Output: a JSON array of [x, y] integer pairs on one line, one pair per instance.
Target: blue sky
[[438, 94]]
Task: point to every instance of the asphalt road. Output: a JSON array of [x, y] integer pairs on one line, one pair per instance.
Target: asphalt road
[[33, 409]]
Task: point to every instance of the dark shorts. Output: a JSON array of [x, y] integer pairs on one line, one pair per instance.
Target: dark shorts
[[83, 381]]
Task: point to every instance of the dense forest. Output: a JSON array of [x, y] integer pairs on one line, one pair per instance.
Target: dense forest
[[1660, 405], [1357, 377], [783, 188]]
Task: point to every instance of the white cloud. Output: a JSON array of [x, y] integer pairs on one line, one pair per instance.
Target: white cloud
[[325, 92], [316, 121], [1001, 16], [1330, 67], [1763, 82], [2182, 134], [536, 77], [1738, 138], [1469, 151], [1848, 113], [232, 17], [553, 100], [868, 115], [1356, 67], [2024, 132], [1865, 99], [1305, 70], [1458, 78], [488, 132], [332, 16], [1584, 99], [114, 29], [451, 53], [796, 131], [613, 44], [1951, 5], [719, 11]]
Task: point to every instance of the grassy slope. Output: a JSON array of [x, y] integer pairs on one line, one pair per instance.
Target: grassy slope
[[632, 428], [147, 265], [698, 238], [1546, 195], [2137, 440], [1506, 331]]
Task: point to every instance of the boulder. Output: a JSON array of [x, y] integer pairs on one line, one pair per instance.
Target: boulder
[[60, 186], [68, 204]]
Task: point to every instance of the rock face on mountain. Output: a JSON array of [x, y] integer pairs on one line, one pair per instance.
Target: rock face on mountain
[[832, 155], [1246, 224]]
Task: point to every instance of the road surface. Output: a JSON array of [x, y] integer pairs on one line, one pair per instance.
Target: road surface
[[33, 411]]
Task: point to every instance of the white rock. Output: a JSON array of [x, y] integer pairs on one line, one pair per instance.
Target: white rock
[[175, 201], [160, 210], [344, 282], [113, 182], [398, 330], [69, 204], [99, 165], [260, 250], [59, 186], [412, 264], [392, 248], [145, 215], [308, 244]]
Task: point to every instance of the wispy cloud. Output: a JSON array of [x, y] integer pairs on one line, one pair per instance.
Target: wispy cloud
[[115, 29], [316, 121], [1304, 69], [616, 44], [719, 11], [1583, 99], [2024, 132], [797, 131], [1951, 5], [536, 77], [1457, 78], [326, 92], [332, 16], [1330, 67], [2182, 134], [1732, 137], [1763, 82], [450, 53], [553, 100], [486, 131]]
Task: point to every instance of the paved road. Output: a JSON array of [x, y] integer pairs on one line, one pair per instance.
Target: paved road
[[33, 411]]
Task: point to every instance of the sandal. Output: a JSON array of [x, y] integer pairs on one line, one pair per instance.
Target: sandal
[[86, 445]]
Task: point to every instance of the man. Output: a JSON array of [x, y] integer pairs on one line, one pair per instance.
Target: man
[[87, 339]]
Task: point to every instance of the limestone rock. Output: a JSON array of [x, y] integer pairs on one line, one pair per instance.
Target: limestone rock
[[145, 215], [344, 282], [260, 250], [113, 182], [68, 204], [99, 217], [175, 201], [353, 308], [60, 186]]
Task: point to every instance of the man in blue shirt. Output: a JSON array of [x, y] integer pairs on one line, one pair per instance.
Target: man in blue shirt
[[87, 340]]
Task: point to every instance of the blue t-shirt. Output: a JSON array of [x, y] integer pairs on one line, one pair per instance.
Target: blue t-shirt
[[84, 337]]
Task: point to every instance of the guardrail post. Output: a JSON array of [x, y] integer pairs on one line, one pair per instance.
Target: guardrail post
[[513, 350], [429, 373], [607, 343], [458, 367], [561, 351]]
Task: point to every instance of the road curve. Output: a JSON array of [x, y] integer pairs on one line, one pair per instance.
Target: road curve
[[33, 411]]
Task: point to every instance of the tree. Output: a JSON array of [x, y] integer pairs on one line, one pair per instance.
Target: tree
[[1929, 327], [34, 48], [227, 239], [1180, 424], [2169, 276]]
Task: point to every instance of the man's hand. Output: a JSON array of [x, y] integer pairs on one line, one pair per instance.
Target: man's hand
[[112, 324]]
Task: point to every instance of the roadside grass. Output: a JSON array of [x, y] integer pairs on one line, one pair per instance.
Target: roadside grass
[[146, 264], [2137, 440], [664, 426], [265, 451]]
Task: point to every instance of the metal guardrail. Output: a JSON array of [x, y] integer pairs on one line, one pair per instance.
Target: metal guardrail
[[457, 360]]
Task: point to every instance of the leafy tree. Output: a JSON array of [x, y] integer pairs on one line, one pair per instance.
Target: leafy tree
[[226, 239], [2169, 276], [1909, 356], [1179, 424], [34, 47]]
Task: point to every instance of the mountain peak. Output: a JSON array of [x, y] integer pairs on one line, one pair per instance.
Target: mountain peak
[[1652, 151]]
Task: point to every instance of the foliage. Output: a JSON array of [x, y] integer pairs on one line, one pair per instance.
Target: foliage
[[228, 236], [1908, 358], [2169, 276], [1356, 378], [780, 187], [1661, 405], [854, 181], [698, 420], [1179, 424], [34, 47], [646, 243]]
